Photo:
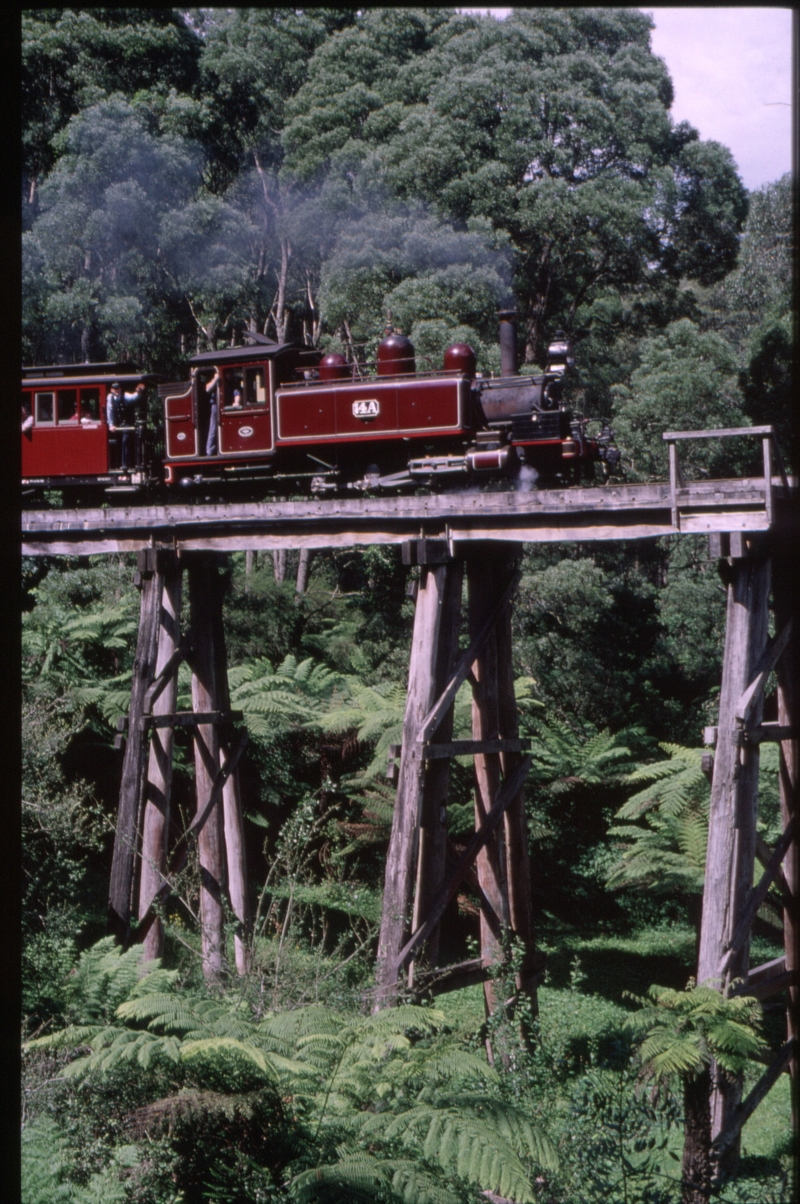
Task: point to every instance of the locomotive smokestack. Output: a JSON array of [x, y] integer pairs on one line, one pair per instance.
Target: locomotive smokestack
[[508, 342]]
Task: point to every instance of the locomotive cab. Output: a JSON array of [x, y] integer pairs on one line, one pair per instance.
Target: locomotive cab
[[220, 425]]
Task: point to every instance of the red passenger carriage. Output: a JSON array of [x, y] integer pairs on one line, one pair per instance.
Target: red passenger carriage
[[65, 437]]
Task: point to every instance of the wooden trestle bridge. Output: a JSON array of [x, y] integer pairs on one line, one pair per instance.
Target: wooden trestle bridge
[[753, 526]]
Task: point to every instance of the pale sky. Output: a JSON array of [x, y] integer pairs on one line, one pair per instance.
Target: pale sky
[[731, 69]]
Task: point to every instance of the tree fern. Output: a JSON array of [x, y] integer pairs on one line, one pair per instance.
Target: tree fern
[[46, 1168], [295, 695], [412, 1113], [666, 850], [681, 1031], [45, 1164]]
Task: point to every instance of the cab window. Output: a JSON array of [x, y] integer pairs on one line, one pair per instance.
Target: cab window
[[44, 404], [67, 404], [254, 393]]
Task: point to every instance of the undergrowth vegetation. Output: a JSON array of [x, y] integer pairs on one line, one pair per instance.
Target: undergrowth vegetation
[[143, 1084]]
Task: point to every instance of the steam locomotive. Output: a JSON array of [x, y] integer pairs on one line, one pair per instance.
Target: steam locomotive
[[275, 416]]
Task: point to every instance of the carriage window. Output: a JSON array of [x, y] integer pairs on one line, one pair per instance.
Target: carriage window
[[254, 392], [67, 404], [45, 408], [90, 404]]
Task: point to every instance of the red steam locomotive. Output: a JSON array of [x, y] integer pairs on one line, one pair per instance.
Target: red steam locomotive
[[279, 413]]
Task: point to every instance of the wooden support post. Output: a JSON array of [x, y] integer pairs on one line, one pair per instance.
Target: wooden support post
[[732, 823], [432, 852], [518, 871], [203, 587], [120, 895], [402, 856], [787, 608], [155, 822], [482, 582], [233, 822]]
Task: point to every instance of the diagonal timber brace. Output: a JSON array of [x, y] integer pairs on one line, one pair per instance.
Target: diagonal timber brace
[[447, 890], [437, 712], [181, 851], [742, 1112], [766, 664], [756, 898]]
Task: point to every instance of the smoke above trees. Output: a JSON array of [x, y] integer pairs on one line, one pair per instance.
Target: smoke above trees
[[187, 179]]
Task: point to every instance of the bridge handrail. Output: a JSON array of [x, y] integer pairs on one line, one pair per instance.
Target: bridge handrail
[[769, 444]]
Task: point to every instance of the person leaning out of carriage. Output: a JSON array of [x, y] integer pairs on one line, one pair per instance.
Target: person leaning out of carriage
[[118, 415]]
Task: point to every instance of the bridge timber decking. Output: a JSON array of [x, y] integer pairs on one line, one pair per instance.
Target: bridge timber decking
[[603, 512]]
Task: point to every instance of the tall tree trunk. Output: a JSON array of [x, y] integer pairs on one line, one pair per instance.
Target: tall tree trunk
[[279, 563], [696, 1165]]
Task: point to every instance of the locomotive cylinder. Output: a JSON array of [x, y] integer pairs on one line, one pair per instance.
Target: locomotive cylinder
[[496, 460], [396, 356]]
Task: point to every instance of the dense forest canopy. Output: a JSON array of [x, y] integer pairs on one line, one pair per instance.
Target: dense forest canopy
[[190, 175]]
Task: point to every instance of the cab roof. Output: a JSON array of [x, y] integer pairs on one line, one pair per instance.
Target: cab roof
[[261, 348]]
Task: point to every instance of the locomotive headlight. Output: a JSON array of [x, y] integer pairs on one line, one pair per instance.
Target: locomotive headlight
[[560, 354]]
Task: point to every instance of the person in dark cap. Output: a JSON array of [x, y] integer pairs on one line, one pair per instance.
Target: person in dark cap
[[120, 413]]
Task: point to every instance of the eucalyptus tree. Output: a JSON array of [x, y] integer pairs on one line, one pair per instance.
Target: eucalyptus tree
[[686, 379], [553, 124], [74, 57], [753, 309], [93, 253]]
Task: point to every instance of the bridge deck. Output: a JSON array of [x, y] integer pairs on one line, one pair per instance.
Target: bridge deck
[[614, 511]]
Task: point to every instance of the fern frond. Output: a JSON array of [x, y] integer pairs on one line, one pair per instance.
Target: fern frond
[[214, 1047], [459, 1144]]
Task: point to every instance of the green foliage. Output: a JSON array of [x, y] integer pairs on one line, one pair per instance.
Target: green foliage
[[681, 1031], [686, 381], [668, 853], [49, 1176], [386, 1086], [620, 1135]]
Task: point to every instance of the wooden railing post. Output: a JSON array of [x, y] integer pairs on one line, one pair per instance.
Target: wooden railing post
[[732, 822]]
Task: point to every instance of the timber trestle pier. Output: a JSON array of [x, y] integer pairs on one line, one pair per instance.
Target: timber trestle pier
[[753, 527]]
